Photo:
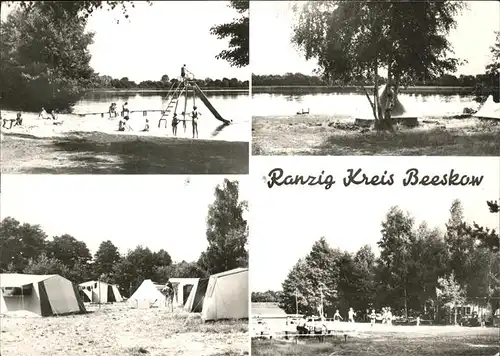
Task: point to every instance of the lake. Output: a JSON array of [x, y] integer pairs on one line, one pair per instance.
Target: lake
[[86, 116], [356, 104], [231, 106]]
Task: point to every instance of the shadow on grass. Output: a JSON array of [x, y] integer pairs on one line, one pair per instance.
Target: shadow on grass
[[434, 142], [141, 155]]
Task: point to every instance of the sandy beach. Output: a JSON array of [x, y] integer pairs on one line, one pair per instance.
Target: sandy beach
[[116, 330], [330, 135]]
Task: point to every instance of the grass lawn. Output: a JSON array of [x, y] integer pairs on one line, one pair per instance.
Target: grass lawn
[[118, 330], [438, 341], [101, 153], [325, 135]]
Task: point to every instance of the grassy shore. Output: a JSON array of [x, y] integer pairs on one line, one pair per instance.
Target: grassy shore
[[116, 330], [328, 135], [101, 153], [438, 341]]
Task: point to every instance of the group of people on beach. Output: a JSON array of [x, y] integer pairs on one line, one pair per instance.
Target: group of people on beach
[[194, 122]]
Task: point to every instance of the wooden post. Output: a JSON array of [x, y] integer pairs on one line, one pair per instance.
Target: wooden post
[[185, 107]]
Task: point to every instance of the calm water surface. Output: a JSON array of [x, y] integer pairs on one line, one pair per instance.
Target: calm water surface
[[356, 105], [235, 107]]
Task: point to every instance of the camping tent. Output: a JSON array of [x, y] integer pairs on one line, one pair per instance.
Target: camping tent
[[99, 292], [147, 292], [226, 296], [182, 289], [3, 307], [194, 302], [45, 295], [489, 110]]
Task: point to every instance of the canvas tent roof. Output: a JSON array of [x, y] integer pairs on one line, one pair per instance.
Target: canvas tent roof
[[226, 296], [45, 295], [489, 110]]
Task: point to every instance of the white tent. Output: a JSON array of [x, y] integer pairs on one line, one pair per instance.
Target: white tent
[[226, 296], [3, 307], [99, 292], [147, 293], [489, 110], [195, 300], [182, 288], [45, 295]]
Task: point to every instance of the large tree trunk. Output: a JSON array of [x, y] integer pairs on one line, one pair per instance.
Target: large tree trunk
[[385, 122]]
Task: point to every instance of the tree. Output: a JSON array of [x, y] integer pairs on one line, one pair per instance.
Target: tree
[[106, 257], [356, 39], [162, 258], [19, 243], [450, 293], [179, 270], [486, 237], [44, 58], [47, 265], [77, 10], [68, 250], [460, 245], [396, 257], [227, 231], [313, 280], [44, 53], [238, 33], [494, 66]]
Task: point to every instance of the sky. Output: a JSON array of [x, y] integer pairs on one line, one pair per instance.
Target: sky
[[155, 211], [159, 39], [272, 53], [287, 220]]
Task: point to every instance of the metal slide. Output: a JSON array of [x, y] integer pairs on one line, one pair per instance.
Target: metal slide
[[207, 103]]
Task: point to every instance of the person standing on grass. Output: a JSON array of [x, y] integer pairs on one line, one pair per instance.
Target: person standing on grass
[[351, 315], [373, 318], [337, 317]]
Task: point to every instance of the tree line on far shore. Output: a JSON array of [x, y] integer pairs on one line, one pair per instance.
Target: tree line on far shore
[[25, 248], [107, 82], [479, 81], [420, 271]]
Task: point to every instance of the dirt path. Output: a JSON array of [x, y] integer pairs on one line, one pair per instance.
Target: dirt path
[[118, 330]]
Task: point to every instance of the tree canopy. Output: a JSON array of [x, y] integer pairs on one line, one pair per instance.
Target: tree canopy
[[227, 231], [238, 33], [356, 39], [419, 271]]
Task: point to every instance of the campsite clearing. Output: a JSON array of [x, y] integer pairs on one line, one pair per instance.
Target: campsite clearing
[[329, 135], [116, 329], [97, 152], [411, 341]]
